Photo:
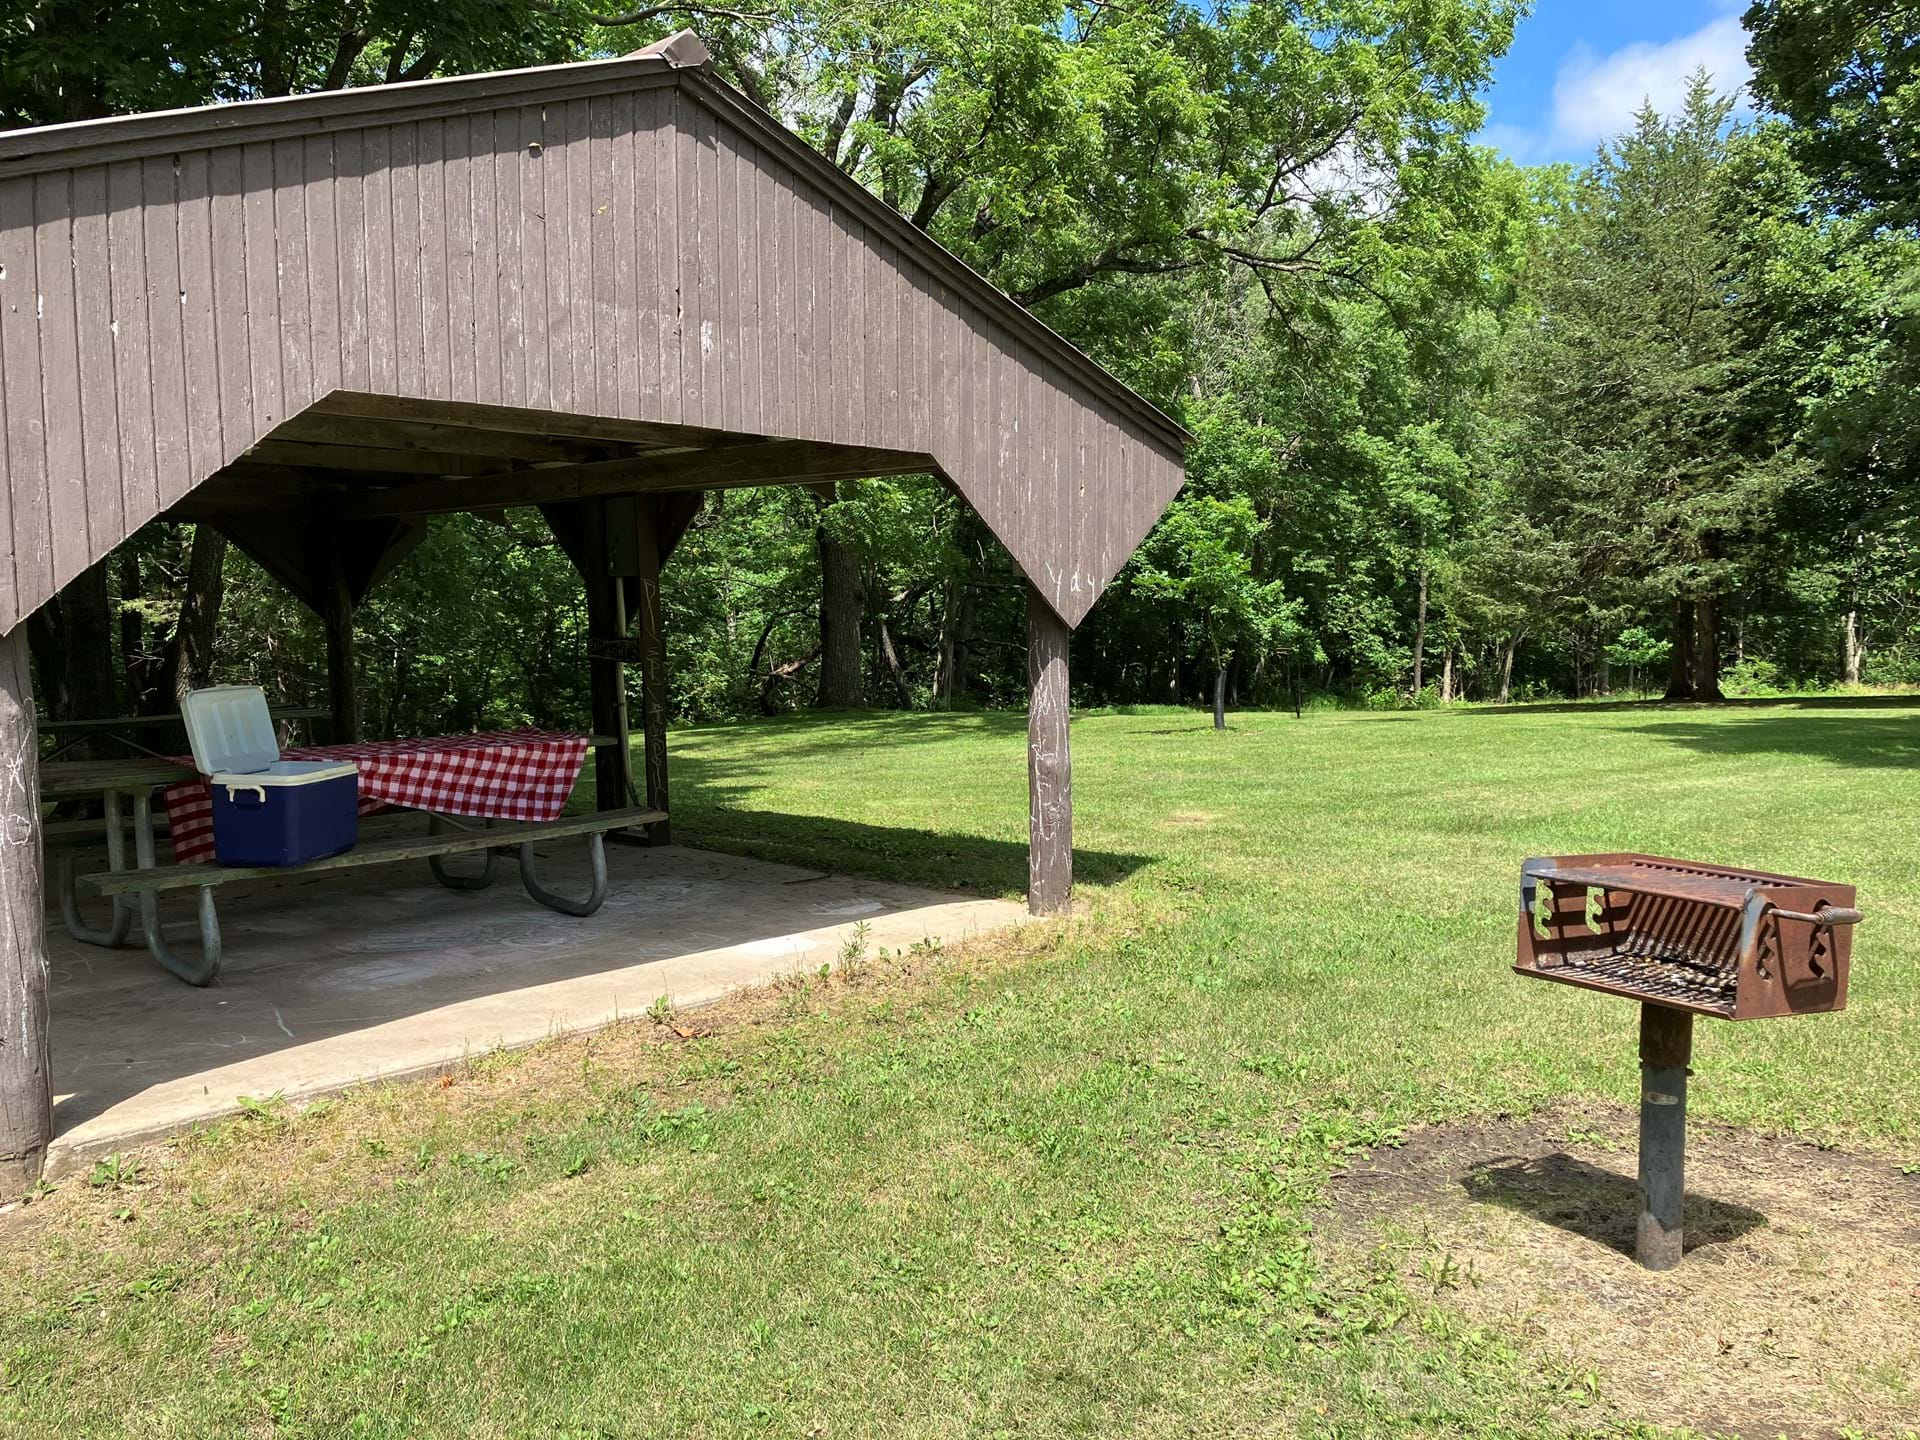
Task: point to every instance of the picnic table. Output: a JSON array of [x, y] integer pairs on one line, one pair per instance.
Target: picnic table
[[494, 775], [493, 793], [110, 727]]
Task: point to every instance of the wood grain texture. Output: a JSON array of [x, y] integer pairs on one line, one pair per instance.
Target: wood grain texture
[[1049, 760], [26, 1094], [648, 253], [649, 622]]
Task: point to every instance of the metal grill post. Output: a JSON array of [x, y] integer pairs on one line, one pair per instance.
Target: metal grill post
[[1666, 1046]]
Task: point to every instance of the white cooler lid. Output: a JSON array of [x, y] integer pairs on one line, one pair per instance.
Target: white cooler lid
[[284, 772], [230, 729]]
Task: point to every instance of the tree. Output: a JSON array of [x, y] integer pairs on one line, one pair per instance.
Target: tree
[[1200, 558], [1636, 436], [1847, 76]]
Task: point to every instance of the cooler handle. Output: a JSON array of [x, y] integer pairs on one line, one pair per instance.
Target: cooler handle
[[235, 791]]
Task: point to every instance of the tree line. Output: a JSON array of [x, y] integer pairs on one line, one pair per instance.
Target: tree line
[[1463, 429]]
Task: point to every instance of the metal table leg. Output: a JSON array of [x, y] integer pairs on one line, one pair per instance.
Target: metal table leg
[[194, 972], [436, 824], [115, 934], [596, 897]]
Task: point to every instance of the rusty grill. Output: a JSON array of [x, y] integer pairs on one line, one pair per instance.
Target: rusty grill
[[1734, 944]]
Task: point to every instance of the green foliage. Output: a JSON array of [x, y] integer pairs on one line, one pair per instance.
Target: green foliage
[[1200, 559], [1462, 429]]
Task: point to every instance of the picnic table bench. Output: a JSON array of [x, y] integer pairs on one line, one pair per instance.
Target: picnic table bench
[[446, 836]]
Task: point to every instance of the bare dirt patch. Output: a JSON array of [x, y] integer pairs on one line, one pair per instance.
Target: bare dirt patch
[[1796, 1311]]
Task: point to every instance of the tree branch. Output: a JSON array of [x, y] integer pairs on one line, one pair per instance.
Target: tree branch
[[654, 12]]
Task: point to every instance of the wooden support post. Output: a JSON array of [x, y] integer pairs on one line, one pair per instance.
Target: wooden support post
[[653, 663], [607, 686], [26, 1090], [1666, 1046], [336, 614], [1049, 761]]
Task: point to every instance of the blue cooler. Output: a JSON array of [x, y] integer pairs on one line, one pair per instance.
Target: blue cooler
[[267, 811]]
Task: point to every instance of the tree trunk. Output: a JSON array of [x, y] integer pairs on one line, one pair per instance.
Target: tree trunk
[[26, 1091], [1420, 633], [1049, 761], [1446, 677], [133, 637], [70, 642], [71, 639], [956, 624], [1219, 695], [843, 605], [1506, 668], [895, 671], [189, 664], [1706, 649], [1855, 652], [1680, 656]]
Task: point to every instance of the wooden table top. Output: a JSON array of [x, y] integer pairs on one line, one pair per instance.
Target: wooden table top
[[61, 779]]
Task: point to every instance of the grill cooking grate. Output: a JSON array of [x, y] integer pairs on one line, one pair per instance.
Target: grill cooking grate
[[1655, 977]]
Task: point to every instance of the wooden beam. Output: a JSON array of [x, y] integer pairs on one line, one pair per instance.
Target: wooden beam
[[650, 621], [243, 489], [429, 437], [677, 513], [299, 556], [511, 420], [406, 537], [773, 462], [580, 528], [1049, 761], [322, 456], [336, 614], [286, 552], [26, 1088]]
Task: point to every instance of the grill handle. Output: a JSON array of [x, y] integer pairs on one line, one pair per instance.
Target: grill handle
[[1826, 915]]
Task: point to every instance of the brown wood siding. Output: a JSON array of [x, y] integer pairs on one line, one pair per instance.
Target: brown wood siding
[[630, 254]]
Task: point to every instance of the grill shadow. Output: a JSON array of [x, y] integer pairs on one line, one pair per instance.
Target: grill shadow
[[1593, 1203]]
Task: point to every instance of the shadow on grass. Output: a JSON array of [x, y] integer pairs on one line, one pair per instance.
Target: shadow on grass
[[1884, 744], [834, 732], [1682, 707], [979, 863], [1595, 1204], [718, 805]]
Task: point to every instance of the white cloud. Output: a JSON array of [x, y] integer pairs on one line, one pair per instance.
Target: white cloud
[[1596, 97]]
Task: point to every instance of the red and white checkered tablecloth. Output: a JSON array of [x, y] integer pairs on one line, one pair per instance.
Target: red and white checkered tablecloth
[[498, 775]]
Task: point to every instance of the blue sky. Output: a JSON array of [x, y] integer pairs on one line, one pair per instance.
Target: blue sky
[[1579, 68]]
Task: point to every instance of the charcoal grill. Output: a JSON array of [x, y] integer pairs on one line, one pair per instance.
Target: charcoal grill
[[1683, 939], [1733, 944]]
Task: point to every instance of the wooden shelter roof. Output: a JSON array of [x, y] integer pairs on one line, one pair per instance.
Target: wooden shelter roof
[[615, 276]]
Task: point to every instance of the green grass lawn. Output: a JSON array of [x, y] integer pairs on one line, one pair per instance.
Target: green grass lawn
[[1062, 1185]]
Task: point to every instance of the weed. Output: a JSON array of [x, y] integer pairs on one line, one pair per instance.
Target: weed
[[663, 1011], [853, 950], [270, 1112], [115, 1172]]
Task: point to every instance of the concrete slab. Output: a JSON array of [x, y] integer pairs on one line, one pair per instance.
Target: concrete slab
[[334, 980]]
